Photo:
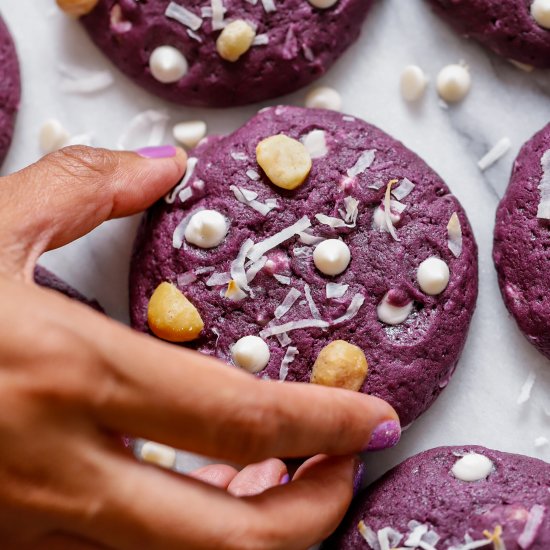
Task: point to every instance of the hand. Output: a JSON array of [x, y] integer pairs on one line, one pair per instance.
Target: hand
[[72, 381]]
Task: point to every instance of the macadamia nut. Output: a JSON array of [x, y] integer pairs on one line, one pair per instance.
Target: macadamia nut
[[340, 365], [172, 316], [77, 8], [235, 40]]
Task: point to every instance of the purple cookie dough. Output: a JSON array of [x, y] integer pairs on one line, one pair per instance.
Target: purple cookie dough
[[303, 44], [410, 363], [505, 26], [422, 489], [521, 244], [10, 89], [47, 279]]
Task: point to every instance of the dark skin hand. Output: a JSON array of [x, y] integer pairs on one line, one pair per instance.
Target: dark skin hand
[[72, 381]]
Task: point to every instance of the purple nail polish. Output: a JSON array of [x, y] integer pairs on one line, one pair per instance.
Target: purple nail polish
[[284, 480], [384, 436], [358, 478], [161, 152]]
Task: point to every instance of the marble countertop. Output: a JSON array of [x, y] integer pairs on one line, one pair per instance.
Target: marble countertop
[[480, 404]]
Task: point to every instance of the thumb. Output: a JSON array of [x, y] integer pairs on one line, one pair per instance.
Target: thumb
[[70, 192]]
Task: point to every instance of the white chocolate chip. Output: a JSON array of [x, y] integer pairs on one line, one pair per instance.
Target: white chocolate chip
[[413, 83], [322, 4], [332, 257], [206, 229], [390, 314], [472, 467], [235, 40], [540, 10], [160, 455], [251, 353], [324, 97], [53, 136], [433, 275], [167, 64], [453, 83], [189, 133]]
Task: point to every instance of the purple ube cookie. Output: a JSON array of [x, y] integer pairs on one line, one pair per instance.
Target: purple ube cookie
[[10, 89], [522, 240], [295, 43], [411, 340], [449, 498], [47, 279], [508, 27]]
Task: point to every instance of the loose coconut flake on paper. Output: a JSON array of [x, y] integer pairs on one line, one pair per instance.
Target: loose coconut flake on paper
[[147, 129], [494, 154], [76, 80]]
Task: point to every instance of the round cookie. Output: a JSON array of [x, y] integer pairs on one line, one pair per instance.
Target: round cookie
[[374, 309], [522, 239], [47, 279], [449, 498], [293, 43], [508, 27], [10, 89]]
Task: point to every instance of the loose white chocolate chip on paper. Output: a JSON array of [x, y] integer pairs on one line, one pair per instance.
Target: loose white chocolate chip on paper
[[454, 83], [189, 133], [251, 353], [332, 257], [413, 83], [235, 40], [324, 97], [472, 467], [167, 64], [206, 229], [540, 10], [285, 161], [340, 365], [53, 136], [157, 454], [433, 275]]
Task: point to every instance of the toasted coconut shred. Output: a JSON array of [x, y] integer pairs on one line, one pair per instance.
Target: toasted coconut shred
[[454, 232], [544, 186]]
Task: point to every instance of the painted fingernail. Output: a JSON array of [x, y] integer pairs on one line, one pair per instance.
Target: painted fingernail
[[358, 477], [284, 480], [384, 436], [161, 152]]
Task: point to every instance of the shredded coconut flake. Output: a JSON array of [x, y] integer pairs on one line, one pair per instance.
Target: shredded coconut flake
[[307, 238], [80, 81], [238, 273], [354, 307], [185, 194], [239, 156], [454, 233], [284, 339], [261, 40], [269, 5], [194, 35], [255, 268], [336, 290], [233, 292], [249, 198], [147, 129], [369, 535], [531, 529], [404, 190], [283, 279], [187, 278], [293, 325], [332, 222], [253, 175], [218, 13], [191, 164], [388, 538], [387, 211], [544, 186], [494, 154], [311, 303], [259, 249], [218, 279], [351, 211], [366, 158], [284, 307], [290, 354], [316, 144], [184, 16], [525, 392]]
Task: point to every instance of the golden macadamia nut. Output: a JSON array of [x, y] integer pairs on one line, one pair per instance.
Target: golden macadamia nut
[[172, 316], [340, 365], [285, 161], [235, 40], [77, 8]]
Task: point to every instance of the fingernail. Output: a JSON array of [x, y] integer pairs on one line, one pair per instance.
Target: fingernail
[[358, 477], [284, 480], [384, 436], [161, 152]]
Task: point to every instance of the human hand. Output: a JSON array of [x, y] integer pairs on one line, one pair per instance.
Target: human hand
[[72, 381]]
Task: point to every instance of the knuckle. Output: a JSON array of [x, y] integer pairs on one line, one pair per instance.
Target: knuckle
[[79, 161]]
